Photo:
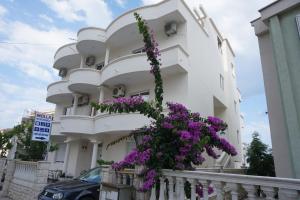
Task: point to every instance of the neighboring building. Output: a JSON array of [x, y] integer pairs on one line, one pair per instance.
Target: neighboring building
[[278, 32], [197, 66]]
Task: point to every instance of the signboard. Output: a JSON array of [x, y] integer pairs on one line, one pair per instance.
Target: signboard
[[42, 127]]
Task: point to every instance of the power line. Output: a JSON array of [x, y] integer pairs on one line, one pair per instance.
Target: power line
[[25, 43]]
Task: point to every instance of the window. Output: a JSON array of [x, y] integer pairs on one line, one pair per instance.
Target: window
[[233, 70], [219, 44], [238, 136], [235, 106], [99, 66], [145, 95], [139, 50], [130, 145], [60, 153], [221, 82]]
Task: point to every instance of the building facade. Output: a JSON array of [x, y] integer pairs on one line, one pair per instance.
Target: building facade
[[278, 32], [197, 67]]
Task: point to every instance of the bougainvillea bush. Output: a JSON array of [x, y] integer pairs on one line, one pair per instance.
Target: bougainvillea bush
[[176, 140]]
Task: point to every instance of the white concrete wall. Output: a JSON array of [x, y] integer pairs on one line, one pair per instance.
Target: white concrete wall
[[197, 88]]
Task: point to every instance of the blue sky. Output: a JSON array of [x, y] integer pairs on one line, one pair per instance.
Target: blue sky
[[31, 31]]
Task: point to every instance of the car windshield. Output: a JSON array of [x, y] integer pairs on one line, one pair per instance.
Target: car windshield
[[91, 176]]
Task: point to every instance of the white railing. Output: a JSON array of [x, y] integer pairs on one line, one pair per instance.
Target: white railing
[[225, 186], [25, 171]]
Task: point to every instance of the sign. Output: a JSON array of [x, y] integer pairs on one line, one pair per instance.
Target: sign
[[42, 127]]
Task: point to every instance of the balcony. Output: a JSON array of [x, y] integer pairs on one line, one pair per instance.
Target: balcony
[[91, 41], [221, 185], [67, 56], [84, 80], [134, 68], [59, 92], [119, 122], [76, 124]]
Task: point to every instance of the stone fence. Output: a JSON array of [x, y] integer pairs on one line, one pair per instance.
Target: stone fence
[[24, 180], [212, 184]]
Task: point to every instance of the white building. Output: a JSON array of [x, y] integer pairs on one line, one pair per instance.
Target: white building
[[198, 70]]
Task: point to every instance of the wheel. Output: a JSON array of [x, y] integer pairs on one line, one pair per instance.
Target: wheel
[[86, 198]]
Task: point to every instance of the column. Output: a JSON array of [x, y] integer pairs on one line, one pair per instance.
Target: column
[[10, 170], [75, 103], [106, 60], [66, 159], [82, 62], [101, 93], [95, 153]]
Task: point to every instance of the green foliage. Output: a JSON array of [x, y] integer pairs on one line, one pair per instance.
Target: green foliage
[[53, 147], [27, 149], [5, 142], [104, 162], [260, 158]]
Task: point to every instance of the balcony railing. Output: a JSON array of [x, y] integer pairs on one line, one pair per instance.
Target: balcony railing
[[221, 185]]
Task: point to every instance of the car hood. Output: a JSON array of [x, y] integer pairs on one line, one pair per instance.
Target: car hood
[[71, 185]]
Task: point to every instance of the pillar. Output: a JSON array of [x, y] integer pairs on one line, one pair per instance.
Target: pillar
[[106, 60], [75, 103], [82, 62], [66, 159], [95, 153]]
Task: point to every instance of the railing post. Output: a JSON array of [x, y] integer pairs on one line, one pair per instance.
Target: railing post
[[171, 187], [270, 192], [193, 188], [219, 186], [162, 188], [288, 194], [233, 190], [42, 170], [179, 188], [205, 185], [10, 170], [251, 191]]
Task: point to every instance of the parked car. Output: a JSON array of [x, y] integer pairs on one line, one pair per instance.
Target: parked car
[[85, 187]]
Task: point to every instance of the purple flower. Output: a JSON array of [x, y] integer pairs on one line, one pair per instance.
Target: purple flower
[[167, 125], [211, 152], [147, 138], [184, 135]]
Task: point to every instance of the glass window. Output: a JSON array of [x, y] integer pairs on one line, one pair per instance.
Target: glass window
[[139, 50], [219, 44], [91, 176], [130, 145], [235, 106], [221, 82]]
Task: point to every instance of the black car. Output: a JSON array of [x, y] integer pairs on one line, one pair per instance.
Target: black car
[[85, 187]]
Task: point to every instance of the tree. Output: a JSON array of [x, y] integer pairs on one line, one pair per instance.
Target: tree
[[260, 158], [27, 149], [5, 143]]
